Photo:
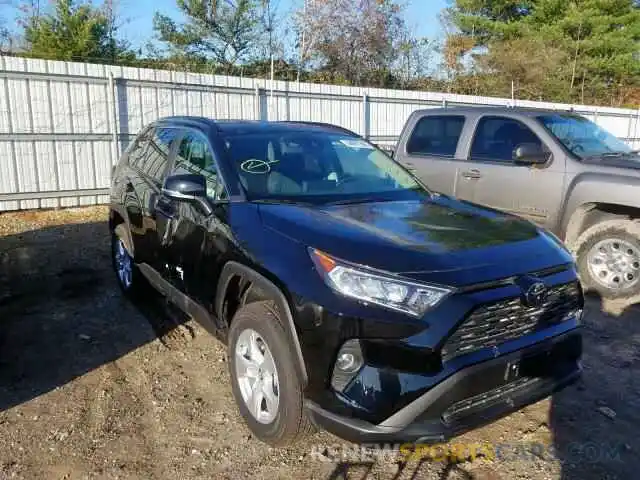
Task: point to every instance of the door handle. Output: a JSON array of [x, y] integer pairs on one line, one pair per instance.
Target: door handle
[[473, 173]]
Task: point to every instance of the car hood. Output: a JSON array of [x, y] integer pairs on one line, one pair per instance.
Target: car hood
[[441, 240]]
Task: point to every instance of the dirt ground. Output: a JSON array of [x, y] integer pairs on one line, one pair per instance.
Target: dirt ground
[[92, 386]]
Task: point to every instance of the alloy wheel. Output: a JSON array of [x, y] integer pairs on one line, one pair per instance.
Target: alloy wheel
[[257, 376], [615, 264]]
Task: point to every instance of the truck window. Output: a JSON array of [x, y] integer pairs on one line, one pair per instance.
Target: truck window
[[436, 135], [496, 138]]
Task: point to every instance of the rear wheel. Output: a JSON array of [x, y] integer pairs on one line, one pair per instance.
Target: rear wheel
[[265, 383], [129, 278], [609, 258]]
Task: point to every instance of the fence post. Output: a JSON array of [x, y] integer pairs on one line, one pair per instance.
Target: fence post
[[262, 109], [636, 133], [366, 117], [115, 144]]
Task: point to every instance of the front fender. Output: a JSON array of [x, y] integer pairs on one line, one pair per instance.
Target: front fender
[[232, 269], [590, 189]]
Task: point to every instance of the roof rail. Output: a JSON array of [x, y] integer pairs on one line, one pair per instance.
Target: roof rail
[[322, 124]]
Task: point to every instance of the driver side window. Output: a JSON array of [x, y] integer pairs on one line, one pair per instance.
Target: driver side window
[[496, 138], [194, 156]]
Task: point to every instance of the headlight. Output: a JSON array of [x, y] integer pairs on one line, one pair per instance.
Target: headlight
[[375, 287]]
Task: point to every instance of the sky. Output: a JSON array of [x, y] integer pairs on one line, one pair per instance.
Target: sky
[[137, 28], [421, 16]]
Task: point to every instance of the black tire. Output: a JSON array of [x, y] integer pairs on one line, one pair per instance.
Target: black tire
[[138, 287], [626, 231], [291, 423]]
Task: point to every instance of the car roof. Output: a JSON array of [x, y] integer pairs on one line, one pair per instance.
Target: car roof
[[243, 127], [498, 110]]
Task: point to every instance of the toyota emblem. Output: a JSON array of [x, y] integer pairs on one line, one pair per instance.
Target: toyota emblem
[[535, 295], [534, 291]]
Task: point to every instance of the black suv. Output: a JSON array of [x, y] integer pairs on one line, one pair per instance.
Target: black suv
[[349, 295]]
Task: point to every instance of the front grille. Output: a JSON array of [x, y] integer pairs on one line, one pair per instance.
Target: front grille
[[506, 320], [484, 400]]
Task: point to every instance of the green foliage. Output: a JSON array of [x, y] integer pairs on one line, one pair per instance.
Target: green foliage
[[597, 41], [73, 30], [218, 29]]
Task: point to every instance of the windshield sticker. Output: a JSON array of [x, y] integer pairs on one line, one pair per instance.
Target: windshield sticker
[[257, 167], [357, 144]]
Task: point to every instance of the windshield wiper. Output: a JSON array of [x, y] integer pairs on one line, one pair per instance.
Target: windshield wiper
[[609, 155]]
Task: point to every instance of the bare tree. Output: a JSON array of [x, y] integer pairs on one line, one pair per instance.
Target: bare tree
[[357, 40]]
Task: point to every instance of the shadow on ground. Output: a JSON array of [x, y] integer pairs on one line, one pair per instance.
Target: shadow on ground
[[61, 313], [595, 422]]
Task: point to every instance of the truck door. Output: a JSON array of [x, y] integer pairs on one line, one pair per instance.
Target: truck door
[[430, 150], [533, 192]]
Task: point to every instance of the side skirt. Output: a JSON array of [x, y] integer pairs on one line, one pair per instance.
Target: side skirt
[[180, 300]]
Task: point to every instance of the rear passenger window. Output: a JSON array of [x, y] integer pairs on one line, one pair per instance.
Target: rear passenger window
[[150, 154], [157, 154], [195, 156], [140, 144], [496, 138], [436, 135]]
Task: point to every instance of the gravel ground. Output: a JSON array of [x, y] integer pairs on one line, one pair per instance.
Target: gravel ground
[[92, 386]]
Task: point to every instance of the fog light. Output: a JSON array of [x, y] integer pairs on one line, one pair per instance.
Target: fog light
[[348, 363]]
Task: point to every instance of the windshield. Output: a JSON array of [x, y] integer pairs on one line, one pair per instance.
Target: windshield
[[582, 137], [315, 167]]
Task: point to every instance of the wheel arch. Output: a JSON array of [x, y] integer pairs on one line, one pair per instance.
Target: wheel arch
[[589, 214], [119, 225], [242, 284]]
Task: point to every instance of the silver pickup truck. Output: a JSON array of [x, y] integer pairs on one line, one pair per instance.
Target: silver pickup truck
[[557, 169]]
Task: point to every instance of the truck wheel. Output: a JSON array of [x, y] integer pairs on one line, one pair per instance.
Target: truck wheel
[[265, 384], [608, 256]]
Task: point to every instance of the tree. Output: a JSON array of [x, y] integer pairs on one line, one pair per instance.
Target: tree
[[73, 30], [414, 59], [358, 41], [597, 40], [221, 30]]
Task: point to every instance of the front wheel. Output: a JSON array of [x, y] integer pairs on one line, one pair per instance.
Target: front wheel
[[265, 383], [608, 257]]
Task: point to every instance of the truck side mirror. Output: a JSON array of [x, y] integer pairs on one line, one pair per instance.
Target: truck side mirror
[[530, 154]]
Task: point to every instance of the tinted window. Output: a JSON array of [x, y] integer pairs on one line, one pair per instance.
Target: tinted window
[[151, 151], [436, 136], [156, 155], [315, 165], [140, 144], [496, 138], [195, 156]]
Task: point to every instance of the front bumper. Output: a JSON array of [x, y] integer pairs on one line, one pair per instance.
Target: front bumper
[[471, 397]]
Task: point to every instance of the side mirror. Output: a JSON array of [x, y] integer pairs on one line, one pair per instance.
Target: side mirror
[[530, 154], [187, 188]]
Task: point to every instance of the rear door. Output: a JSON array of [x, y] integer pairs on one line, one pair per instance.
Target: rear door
[[148, 163], [533, 192], [430, 151]]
